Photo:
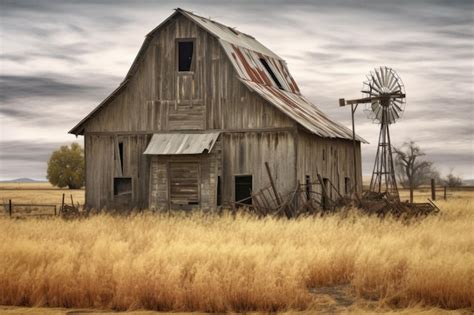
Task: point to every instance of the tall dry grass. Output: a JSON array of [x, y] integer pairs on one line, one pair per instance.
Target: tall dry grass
[[217, 264]]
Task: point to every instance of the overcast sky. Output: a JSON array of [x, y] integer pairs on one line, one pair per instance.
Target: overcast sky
[[59, 59]]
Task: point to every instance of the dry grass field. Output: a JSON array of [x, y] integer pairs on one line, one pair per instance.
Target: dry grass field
[[36, 193], [340, 263]]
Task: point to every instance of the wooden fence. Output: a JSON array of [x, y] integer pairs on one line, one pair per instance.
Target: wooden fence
[[56, 209]]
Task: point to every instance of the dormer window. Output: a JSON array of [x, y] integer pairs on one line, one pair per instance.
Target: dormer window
[[270, 71], [185, 55]]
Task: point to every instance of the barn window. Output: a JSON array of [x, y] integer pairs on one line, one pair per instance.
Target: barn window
[[243, 189], [122, 186], [324, 154], [308, 187], [185, 55], [120, 147], [270, 71], [219, 191], [347, 185]]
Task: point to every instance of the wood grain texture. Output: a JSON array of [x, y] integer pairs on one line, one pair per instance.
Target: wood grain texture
[[159, 99]]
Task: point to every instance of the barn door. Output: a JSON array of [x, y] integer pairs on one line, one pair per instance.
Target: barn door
[[184, 185]]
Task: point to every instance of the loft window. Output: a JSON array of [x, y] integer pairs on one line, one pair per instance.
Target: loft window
[[185, 55], [122, 186], [270, 71], [347, 185], [243, 189], [324, 154]]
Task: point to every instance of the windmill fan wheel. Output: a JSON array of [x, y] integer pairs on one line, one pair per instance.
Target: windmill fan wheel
[[383, 85]]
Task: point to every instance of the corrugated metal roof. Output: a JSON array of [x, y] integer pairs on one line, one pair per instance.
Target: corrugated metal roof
[[229, 34], [287, 99], [181, 143], [249, 67], [245, 53], [301, 110]]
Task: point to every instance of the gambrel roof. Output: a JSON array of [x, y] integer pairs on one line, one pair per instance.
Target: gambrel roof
[[245, 54]]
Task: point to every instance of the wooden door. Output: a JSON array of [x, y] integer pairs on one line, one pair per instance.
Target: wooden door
[[184, 180]]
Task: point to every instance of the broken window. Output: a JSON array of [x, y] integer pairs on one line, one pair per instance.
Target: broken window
[[122, 186], [185, 55], [120, 147], [270, 71], [243, 189]]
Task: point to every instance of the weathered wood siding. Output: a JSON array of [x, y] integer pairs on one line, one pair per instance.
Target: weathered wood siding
[[332, 158], [246, 153], [159, 98], [161, 191], [103, 166]]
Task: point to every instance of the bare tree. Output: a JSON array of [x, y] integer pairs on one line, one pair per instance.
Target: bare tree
[[411, 170], [452, 180]]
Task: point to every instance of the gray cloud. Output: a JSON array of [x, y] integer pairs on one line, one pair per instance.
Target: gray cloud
[[66, 56], [18, 87], [15, 156]]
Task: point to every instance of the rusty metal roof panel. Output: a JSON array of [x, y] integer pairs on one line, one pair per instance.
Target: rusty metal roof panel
[[302, 111], [286, 97], [181, 143], [248, 65]]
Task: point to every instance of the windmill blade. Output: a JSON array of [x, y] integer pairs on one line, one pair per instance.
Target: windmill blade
[[397, 107], [391, 80], [380, 85], [374, 80], [378, 113], [387, 76], [394, 83], [375, 105], [396, 113], [391, 115], [376, 89], [384, 78]]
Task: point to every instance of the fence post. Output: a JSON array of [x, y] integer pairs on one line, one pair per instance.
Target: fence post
[[433, 189], [10, 207], [445, 191], [62, 205], [55, 210]]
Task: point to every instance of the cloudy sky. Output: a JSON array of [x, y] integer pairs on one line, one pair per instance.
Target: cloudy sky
[[59, 59]]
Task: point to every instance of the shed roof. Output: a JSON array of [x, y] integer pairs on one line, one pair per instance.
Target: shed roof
[[181, 143]]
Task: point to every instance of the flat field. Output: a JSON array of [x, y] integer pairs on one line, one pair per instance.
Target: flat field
[[340, 263], [36, 193]]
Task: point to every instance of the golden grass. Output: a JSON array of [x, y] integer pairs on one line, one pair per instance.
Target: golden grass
[[217, 264], [36, 193]]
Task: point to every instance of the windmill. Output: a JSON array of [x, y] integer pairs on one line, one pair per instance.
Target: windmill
[[384, 96]]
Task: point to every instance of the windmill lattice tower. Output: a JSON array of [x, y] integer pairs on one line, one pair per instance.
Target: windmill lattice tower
[[387, 93]]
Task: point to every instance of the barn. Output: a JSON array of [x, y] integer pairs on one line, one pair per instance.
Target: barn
[[200, 111]]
